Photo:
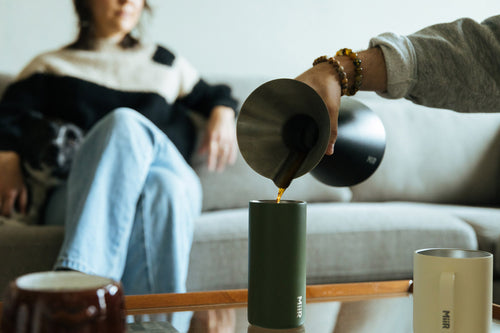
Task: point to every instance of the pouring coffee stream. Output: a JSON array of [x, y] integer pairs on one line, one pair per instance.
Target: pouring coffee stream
[[283, 130]]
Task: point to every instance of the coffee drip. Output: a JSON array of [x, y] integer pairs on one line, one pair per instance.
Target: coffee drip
[[281, 190], [283, 131]]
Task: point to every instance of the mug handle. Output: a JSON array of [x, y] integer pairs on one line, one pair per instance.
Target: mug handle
[[447, 301]]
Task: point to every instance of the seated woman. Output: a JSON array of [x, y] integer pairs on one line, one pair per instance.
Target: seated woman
[[131, 197]]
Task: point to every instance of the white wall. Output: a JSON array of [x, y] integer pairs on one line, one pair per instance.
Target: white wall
[[274, 38]]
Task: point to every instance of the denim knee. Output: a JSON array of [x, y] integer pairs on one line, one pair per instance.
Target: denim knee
[[128, 125], [125, 118]]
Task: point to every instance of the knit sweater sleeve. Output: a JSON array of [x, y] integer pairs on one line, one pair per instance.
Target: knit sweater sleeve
[[200, 96], [452, 65]]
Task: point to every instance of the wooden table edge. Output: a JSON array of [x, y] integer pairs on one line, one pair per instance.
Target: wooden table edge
[[198, 301], [194, 301]]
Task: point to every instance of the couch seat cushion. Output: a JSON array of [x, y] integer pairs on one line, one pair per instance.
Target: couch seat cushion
[[345, 242], [486, 224]]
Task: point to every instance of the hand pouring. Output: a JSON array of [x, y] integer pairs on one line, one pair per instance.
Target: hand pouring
[[283, 131]]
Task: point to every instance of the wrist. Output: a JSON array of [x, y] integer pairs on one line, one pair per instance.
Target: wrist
[[348, 66], [364, 70], [9, 155], [336, 71], [222, 113], [374, 69], [222, 109], [377, 70]]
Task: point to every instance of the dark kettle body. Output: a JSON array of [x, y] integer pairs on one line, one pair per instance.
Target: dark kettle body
[[283, 130], [359, 148]]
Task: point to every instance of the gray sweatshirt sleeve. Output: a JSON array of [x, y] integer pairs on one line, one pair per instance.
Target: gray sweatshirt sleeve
[[452, 65]]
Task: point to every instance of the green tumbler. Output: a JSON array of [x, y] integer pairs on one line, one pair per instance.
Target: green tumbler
[[277, 263]]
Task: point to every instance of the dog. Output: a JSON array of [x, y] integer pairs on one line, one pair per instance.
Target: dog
[[47, 149]]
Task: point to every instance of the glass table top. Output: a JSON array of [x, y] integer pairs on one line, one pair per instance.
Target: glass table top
[[370, 307]]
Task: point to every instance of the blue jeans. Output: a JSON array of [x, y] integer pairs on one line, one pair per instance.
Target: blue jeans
[[130, 202]]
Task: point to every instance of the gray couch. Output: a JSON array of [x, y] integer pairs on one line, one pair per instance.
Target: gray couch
[[437, 186]]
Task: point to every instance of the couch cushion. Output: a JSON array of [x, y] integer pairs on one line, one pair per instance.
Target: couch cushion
[[434, 155], [484, 221], [345, 242]]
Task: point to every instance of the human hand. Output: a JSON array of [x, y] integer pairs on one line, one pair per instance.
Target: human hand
[[324, 80], [12, 187], [220, 138], [213, 321]]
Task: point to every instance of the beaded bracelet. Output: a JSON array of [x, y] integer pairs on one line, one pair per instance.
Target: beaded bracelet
[[340, 71], [358, 70]]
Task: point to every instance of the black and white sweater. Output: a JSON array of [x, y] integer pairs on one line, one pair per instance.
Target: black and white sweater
[[82, 86]]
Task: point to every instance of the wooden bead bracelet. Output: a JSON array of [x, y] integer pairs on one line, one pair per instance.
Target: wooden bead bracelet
[[340, 71], [358, 70]]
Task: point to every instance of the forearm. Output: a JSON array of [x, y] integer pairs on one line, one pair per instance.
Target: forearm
[[374, 69], [452, 65], [13, 192]]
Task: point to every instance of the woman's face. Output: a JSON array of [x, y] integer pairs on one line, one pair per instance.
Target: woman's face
[[115, 18]]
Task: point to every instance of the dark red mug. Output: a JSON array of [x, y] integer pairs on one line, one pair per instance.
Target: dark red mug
[[63, 301]]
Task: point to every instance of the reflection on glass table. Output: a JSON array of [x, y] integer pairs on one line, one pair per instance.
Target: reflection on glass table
[[369, 307], [335, 308]]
